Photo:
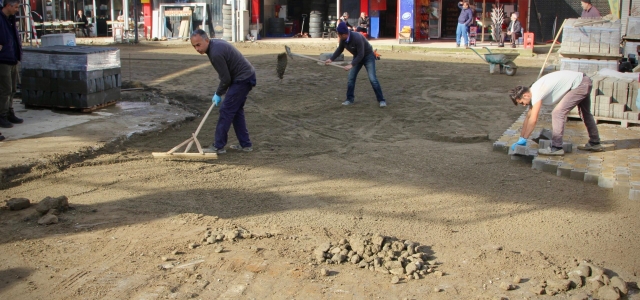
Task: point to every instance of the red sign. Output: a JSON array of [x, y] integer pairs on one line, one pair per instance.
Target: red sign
[[378, 5]]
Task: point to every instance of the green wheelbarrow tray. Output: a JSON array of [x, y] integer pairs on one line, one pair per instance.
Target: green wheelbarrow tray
[[504, 60]]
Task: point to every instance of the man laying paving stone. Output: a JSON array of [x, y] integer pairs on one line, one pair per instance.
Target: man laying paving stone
[[565, 90]]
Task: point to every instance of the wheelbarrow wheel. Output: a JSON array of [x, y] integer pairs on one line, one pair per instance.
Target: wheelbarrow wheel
[[510, 68]]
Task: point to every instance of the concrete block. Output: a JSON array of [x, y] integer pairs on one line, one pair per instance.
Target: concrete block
[[564, 170], [606, 181], [591, 177], [538, 163], [500, 146], [617, 115], [632, 115], [567, 147], [544, 144], [521, 150], [634, 194], [578, 174], [551, 167], [603, 102], [617, 107], [621, 188]]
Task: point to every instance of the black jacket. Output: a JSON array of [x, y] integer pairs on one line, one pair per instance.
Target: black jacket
[[82, 19], [11, 52], [358, 46]]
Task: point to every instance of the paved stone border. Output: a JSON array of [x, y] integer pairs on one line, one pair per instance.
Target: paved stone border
[[617, 168]]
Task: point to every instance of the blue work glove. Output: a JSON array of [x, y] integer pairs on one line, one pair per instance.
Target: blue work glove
[[216, 99], [521, 141]]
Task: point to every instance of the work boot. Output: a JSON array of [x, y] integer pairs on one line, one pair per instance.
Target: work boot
[[4, 123], [11, 117]]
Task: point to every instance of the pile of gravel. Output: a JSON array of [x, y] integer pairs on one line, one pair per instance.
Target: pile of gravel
[[387, 255]]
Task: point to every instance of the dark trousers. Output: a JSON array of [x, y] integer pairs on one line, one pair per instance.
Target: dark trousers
[[8, 85], [581, 97], [369, 63], [514, 37], [232, 112]]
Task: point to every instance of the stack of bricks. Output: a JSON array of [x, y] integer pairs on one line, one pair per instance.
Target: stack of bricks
[[591, 47], [70, 77], [617, 168], [613, 98]]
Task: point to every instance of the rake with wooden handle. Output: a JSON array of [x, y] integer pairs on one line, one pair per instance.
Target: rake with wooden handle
[[189, 142]]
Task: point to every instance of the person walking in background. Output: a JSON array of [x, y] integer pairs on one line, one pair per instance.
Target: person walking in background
[[237, 78], [464, 21], [10, 56], [363, 55], [588, 10], [513, 30], [566, 90], [84, 23]]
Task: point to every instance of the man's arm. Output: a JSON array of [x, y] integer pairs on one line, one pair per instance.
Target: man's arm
[[360, 46], [530, 120], [469, 18], [338, 51]]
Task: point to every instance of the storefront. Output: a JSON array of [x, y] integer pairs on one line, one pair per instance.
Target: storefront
[[429, 19]]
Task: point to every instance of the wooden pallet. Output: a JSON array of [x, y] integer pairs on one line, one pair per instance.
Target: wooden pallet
[[623, 123], [80, 109]]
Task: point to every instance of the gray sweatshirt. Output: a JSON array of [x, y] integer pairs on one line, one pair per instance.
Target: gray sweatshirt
[[230, 64]]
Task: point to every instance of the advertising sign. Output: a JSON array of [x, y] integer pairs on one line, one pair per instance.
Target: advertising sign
[[406, 15]]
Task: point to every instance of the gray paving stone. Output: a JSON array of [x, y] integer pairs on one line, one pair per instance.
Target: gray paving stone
[[551, 167], [634, 194], [544, 144], [564, 170], [538, 163], [567, 147], [591, 177], [578, 174], [606, 182]]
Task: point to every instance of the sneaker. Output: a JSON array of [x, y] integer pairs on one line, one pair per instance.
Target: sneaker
[[513, 45], [347, 102], [466, 46], [4, 123], [238, 147], [11, 117], [553, 151], [500, 45], [457, 46], [213, 149], [383, 104], [591, 147]]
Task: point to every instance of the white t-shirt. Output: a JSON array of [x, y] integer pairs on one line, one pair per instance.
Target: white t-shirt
[[553, 86]]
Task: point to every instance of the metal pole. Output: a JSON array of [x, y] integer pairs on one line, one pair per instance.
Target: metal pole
[[135, 21], [94, 18], [484, 5], [112, 15], [234, 15]]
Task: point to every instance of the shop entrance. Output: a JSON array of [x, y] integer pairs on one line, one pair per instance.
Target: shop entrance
[[388, 20], [450, 14]]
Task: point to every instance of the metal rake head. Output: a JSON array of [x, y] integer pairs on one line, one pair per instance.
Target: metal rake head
[[288, 51]]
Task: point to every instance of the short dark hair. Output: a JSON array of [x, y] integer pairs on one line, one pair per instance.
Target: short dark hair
[[201, 33], [516, 93], [12, 2]]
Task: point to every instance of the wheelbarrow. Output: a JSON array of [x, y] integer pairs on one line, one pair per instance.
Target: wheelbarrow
[[503, 60]]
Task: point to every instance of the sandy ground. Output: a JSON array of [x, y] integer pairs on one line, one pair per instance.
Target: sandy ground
[[421, 169]]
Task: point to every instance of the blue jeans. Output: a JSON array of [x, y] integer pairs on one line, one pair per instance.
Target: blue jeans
[[369, 62], [460, 31], [232, 112]]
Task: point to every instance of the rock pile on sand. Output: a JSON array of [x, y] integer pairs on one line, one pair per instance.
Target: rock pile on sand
[[50, 208], [388, 255]]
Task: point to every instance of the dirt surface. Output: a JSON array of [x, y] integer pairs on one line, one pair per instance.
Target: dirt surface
[[421, 169]]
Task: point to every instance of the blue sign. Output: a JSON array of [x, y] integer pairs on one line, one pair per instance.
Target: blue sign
[[406, 14]]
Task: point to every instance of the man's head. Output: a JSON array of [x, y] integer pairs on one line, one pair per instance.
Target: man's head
[[200, 41], [362, 15], [586, 4], [10, 7], [514, 16], [343, 31], [345, 15], [520, 95], [80, 13], [465, 4]]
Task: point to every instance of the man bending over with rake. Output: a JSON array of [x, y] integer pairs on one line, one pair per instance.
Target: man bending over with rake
[[363, 55], [237, 78]]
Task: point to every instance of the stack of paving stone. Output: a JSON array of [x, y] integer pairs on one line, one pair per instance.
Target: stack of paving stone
[[632, 36], [613, 98], [617, 168], [591, 47], [70, 77]]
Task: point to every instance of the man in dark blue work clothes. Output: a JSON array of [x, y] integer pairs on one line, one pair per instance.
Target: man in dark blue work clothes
[[464, 21], [363, 55], [10, 55], [237, 77]]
